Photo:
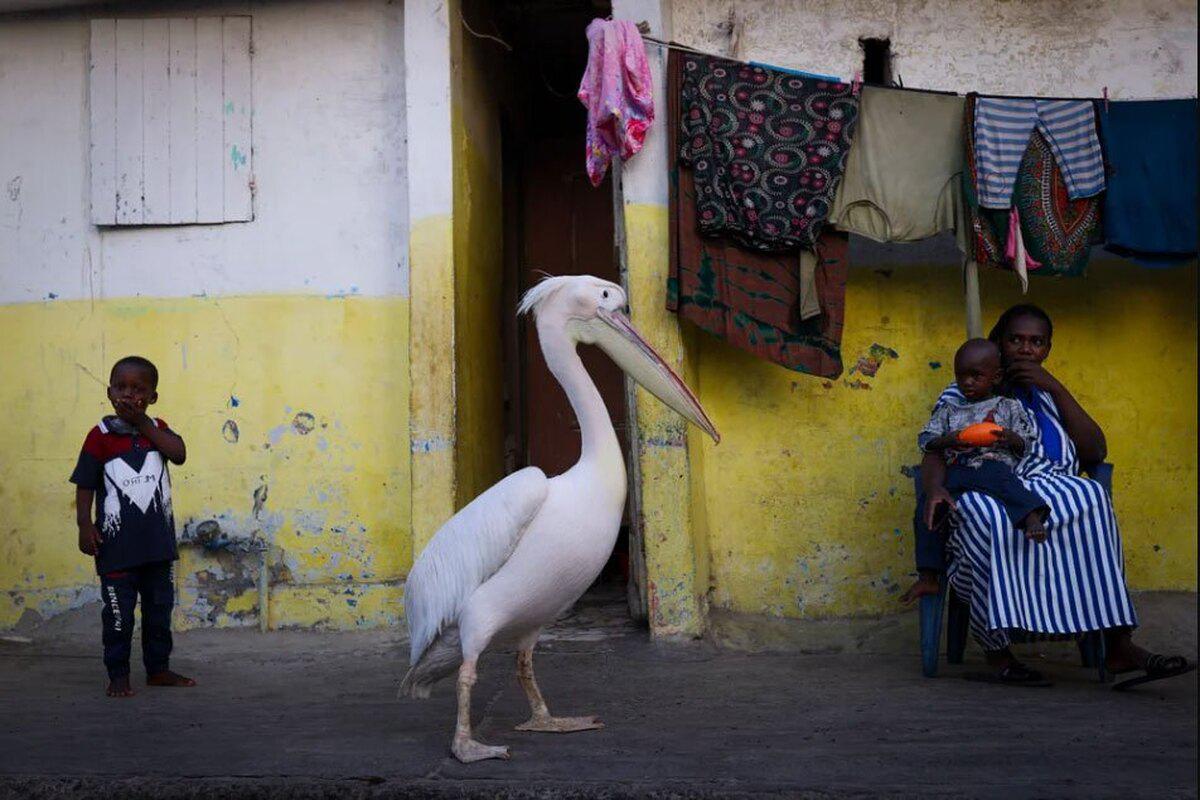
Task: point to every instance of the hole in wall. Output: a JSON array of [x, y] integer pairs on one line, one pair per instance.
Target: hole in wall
[[877, 61]]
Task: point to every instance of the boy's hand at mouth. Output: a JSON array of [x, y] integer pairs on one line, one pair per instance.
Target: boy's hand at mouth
[[131, 411]]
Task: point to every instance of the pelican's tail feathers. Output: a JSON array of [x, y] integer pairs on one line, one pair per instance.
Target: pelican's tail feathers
[[440, 660]]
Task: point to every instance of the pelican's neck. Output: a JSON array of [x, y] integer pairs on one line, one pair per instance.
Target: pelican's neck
[[595, 426]]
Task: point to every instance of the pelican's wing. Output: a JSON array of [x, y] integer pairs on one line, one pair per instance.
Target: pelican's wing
[[466, 551]]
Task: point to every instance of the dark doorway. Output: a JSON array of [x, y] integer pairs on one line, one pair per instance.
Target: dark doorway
[[556, 222]]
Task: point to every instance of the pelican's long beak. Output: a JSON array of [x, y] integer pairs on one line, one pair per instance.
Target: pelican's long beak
[[633, 354]]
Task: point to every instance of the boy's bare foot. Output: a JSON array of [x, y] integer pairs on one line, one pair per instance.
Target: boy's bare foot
[[168, 678], [1034, 526], [119, 687], [926, 584]]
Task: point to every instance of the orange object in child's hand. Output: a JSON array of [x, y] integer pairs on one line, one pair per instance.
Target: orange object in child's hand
[[981, 434]]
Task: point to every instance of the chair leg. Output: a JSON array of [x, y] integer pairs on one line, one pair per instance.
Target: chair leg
[[957, 623], [931, 629], [1093, 654], [1087, 655]]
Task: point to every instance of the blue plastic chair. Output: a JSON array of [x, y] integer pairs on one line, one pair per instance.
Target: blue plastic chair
[[1091, 644]]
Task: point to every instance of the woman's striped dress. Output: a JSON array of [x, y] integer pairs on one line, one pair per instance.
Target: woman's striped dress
[[1073, 582]]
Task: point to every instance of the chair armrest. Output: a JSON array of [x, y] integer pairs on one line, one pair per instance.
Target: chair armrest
[[1101, 474]]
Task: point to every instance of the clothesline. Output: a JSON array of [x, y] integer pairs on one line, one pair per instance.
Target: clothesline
[[900, 87], [777, 164]]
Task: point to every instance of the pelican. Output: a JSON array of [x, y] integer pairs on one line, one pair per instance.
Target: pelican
[[520, 554]]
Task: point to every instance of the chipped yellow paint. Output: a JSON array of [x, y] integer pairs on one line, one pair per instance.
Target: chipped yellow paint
[[433, 442], [337, 606], [316, 389], [674, 542], [809, 513], [478, 268]]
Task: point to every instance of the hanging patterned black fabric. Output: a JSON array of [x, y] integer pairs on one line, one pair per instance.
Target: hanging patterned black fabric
[[767, 148]]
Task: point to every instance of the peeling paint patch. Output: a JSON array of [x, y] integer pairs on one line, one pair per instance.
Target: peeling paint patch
[[870, 362], [935, 365], [234, 402], [675, 440], [260, 497], [434, 445], [276, 434], [858, 384], [909, 471], [303, 423], [230, 432]]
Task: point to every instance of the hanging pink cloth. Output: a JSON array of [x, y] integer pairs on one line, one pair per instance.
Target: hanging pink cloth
[[616, 90], [1015, 250]]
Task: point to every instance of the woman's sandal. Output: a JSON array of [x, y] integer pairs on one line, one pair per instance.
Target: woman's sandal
[[1157, 667], [1015, 674]]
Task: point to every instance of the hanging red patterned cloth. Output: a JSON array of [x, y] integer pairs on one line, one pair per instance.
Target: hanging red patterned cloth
[[751, 299]]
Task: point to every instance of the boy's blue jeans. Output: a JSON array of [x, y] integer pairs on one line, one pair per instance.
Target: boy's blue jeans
[[120, 592]]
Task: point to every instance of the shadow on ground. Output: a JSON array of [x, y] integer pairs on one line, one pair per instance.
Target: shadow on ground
[[835, 709]]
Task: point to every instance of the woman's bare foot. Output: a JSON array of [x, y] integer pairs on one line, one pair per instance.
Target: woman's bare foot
[[119, 687], [926, 583], [168, 678], [1123, 655]]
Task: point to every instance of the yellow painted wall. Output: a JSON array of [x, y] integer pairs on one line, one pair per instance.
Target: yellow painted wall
[[317, 389], [808, 512], [672, 504], [478, 266]]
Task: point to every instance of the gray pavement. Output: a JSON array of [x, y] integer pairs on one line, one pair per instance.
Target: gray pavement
[[832, 709]]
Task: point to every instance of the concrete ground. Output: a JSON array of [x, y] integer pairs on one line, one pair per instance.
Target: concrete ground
[[835, 709]]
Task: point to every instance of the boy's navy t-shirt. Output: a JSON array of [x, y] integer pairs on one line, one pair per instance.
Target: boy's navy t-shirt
[[133, 496]]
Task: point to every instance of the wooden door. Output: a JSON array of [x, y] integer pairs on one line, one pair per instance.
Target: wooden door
[[567, 227]]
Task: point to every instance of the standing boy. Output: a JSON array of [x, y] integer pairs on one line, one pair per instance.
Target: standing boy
[[122, 473]]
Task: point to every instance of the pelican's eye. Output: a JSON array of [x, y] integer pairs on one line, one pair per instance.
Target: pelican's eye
[[604, 294]]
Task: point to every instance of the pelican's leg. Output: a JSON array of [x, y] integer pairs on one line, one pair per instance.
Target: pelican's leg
[[540, 719], [465, 748]]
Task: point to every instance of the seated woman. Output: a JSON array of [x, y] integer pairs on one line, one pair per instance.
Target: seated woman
[[1074, 580]]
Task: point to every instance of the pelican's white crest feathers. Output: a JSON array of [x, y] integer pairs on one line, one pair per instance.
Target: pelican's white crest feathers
[[540, 291]]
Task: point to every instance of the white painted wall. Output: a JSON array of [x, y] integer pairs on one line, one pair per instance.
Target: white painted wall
[[1140, 49], [331, 213], [430, 144]]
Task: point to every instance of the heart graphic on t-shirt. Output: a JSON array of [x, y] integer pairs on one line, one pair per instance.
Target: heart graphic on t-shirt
[[137, 485]]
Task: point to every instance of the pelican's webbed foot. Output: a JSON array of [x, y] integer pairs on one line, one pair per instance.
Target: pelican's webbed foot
[[548, 724], [468, 750]]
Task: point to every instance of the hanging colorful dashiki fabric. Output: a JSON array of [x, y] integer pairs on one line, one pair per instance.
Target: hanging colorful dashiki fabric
[[1057, 232], [767, 149]]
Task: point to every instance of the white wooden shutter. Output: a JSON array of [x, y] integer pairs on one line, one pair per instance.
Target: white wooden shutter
[[171, 121]]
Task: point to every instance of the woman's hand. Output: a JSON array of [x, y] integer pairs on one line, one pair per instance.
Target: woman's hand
[[1031, 373], [937, 496]]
